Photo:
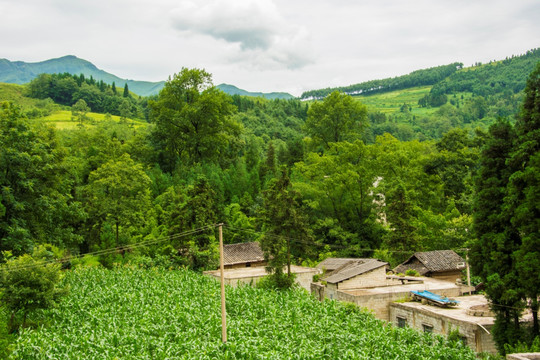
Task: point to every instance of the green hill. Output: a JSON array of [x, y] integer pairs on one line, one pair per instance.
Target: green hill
[[233, 90], [20, 72]]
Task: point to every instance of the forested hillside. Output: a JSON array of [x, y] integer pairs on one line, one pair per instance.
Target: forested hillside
[[333, 177]]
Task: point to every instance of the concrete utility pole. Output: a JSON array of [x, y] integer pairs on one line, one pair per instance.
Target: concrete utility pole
[[221, 266], [468, 269]]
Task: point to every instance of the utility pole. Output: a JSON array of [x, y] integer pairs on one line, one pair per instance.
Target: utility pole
[[221, 266], [468, 270]]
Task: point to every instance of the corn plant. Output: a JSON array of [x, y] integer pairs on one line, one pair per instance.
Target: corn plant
[[130, 313]]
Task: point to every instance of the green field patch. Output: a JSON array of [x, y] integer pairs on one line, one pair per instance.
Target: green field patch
[[63, 120], [392, 102], [132, 313]]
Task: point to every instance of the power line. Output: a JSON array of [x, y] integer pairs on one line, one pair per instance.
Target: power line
[[115, 249]]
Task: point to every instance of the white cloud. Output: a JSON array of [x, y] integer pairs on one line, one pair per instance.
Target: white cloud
[[264, 37]]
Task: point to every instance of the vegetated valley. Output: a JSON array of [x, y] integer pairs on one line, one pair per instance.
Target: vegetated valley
[[108, 202]]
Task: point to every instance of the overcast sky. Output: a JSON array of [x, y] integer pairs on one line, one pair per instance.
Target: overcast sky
[[269, 45]]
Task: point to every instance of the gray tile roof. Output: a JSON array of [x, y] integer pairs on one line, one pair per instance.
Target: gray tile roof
[[432, 262], [242, 253], [352, 268], [331, 264]]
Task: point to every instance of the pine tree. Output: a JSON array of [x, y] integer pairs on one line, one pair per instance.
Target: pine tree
[[286, 229], [523, 198]]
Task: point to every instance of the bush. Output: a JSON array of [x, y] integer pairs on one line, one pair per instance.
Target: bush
[[28, 284], [412, 272]]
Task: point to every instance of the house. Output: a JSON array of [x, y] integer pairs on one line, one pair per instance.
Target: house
[[439, 264], [243, 255], [395, 288], [471, 318], [341, 274], [252, 275]]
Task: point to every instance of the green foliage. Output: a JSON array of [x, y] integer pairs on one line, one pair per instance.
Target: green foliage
[[412, 272], [416, 78], [133, 313], [193, 121], [283, 221], [29, 283], [337, 118]]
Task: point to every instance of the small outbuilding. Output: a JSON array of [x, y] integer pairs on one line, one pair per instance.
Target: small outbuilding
[[243, 255], [342, 273], [439, 264]]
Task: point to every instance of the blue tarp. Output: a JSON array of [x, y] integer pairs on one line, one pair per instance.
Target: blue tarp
[[434, 297]]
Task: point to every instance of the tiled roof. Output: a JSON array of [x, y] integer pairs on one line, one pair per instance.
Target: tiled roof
[[433, 262], [331, 264], [242, 253], [352, 268]]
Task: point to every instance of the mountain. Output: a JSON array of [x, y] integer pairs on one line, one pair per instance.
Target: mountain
[[233, 90], [20, 72]]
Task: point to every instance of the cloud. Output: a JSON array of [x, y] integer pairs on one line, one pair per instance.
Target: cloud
[[263, 35]]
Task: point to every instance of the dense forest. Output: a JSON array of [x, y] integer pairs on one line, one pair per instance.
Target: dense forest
[[323, 178]]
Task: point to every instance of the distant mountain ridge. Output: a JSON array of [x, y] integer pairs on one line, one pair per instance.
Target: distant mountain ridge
[[20, 72]]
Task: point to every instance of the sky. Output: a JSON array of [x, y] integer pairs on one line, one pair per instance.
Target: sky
[[269, 45]]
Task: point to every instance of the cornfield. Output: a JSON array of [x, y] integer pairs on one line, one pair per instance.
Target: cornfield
[[130, 313]]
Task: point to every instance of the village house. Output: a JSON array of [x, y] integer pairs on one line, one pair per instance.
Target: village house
[[343, 273], [243, 255], [365, 283], [438, 264], [471, 318], [244, 264], [252, 275]]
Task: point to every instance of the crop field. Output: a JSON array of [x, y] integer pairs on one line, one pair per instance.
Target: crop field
[[132, 313], [62, 120]]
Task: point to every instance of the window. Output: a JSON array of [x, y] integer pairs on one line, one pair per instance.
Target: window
[[401, 322], [427, 328]]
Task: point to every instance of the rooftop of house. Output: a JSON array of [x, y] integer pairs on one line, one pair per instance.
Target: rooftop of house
[[394, 285], [241, 253], [432, 262], [471, 309], [258, 271], [352, 268]]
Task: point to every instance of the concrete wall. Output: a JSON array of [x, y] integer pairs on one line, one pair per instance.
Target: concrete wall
[[244, 265], [523, 356], [380, 303], [376, 277], [477, 338], [451, 276]]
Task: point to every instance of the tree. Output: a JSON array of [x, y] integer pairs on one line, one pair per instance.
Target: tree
[[286, 230], [523, 198], [193, 120], [28, 283], [79, 111], [126, 91], [118, 192], [337, 118], [37, 204], [492, 254]]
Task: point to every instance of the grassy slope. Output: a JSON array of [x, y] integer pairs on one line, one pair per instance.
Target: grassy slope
[[14, 93], [62, 120]]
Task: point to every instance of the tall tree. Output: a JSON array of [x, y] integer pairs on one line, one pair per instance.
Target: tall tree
[[524, 194], [286, 230], [118, 192], [193, 120], [492, 254], [337, 118]]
